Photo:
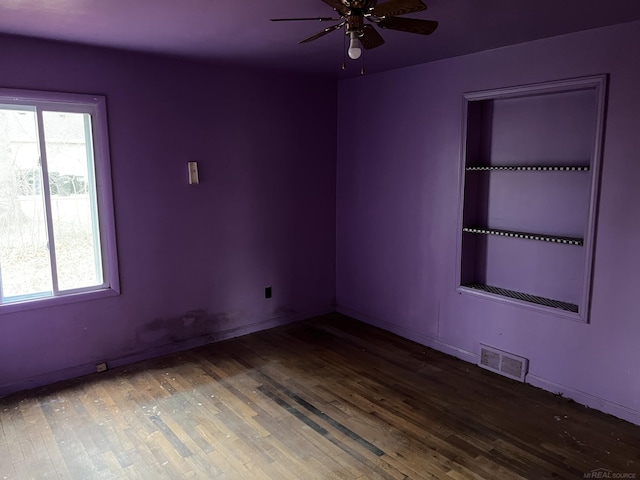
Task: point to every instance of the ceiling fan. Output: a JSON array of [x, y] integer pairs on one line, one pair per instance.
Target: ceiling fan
[[352, 14]]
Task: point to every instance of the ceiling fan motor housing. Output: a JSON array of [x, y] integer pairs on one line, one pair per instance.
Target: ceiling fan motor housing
[[355, 23]]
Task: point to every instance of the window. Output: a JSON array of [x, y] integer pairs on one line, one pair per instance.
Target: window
[[57, 238]]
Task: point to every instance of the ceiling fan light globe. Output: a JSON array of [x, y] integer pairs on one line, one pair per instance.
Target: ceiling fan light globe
[[355, 48]]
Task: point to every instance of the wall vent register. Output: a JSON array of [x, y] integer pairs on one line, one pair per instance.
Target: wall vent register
[[503, 363]]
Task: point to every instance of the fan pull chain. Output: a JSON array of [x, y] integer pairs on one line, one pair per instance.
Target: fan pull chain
[[344, 52], [362, 66]]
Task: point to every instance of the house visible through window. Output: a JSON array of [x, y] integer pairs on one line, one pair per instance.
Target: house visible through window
[[56, 214]]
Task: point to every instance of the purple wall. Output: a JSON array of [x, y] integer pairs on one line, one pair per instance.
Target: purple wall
[[194, 260], [398, 209]]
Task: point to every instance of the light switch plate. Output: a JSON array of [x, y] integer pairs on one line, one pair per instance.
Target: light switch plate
[[193, 173]]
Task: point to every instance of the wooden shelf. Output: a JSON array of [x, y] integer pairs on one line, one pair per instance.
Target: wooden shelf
[[547, 302], [526, 236], [529, 168]]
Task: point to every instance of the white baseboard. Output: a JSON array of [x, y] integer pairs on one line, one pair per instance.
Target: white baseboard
[[582, 398], [157, 351]]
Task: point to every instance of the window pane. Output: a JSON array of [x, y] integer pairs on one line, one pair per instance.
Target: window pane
[[25, 269], [73, 207]]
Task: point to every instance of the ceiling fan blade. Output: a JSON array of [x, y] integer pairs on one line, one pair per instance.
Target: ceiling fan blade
[[371, 38], [322, 33], [338, 6], [411, 25], [398, 7], [319, 19]]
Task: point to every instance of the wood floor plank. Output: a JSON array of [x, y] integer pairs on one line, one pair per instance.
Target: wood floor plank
[[328, 398]]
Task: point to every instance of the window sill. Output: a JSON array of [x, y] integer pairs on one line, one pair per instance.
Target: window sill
[[46, 302]]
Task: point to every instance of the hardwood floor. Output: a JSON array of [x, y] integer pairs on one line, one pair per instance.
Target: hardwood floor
[[326, 398]]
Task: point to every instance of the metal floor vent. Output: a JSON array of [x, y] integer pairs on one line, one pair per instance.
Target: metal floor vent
[[504, 363]]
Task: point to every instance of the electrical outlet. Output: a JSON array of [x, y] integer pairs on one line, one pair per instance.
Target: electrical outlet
[[267, 292], [101, 367]]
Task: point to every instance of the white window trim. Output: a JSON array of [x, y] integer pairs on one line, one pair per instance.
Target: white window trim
[[95, 105]]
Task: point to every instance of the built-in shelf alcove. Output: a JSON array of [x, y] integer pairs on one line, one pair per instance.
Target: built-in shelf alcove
[[530, 174]]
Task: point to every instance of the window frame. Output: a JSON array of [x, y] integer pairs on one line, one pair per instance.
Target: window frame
[[96, 107]]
